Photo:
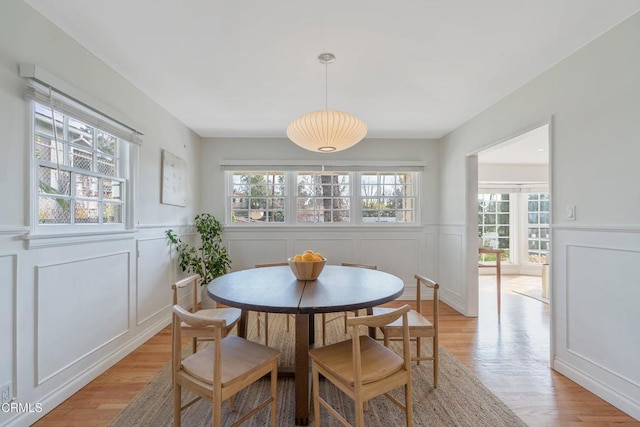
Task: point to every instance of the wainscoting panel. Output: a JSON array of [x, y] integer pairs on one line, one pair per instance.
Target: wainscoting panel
[[595, 295], [599, 301], [246, 253], [80, 314], [451, 266], [402, 252], [400, 257], [8, 281], [156, 271]]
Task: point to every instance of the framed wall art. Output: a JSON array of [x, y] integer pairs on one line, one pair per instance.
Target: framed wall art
[[174, 180]]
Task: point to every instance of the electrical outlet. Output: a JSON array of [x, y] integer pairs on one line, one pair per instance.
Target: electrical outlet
[[5, 393]]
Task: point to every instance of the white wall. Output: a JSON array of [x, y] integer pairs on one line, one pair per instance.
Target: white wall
[[69, 312], [592, 97], [512, 173], [400, 250], [593, 100]]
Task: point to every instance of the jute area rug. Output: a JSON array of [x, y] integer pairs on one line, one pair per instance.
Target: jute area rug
[[459, 400]]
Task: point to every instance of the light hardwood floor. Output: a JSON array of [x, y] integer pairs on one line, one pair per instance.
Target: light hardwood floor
[[510, 356]]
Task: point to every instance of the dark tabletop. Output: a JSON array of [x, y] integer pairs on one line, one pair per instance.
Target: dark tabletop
[[276, 290]]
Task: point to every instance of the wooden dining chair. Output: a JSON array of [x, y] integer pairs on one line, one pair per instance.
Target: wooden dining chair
[[363, 368], [419, 325], [218, 371], [343, 316], [230, 315]]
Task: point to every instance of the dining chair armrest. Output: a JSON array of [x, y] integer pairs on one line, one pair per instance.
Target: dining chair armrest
[[193, 280], [197, 321], [378, 320]]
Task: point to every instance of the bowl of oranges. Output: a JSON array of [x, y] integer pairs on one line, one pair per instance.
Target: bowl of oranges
[[307, 265]]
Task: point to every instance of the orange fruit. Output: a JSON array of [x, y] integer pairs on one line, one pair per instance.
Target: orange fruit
[[307, 257], [308, 251], [319, 255], [298, 257], [317, 258]]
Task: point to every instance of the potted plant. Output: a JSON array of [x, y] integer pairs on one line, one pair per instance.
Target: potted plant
[[210, 260]]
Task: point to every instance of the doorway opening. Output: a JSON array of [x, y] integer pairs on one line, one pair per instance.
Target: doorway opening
[[512, 218]]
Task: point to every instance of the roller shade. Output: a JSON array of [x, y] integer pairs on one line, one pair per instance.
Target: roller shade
[[48, 96]]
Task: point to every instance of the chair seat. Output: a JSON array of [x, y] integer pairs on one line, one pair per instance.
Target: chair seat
[[239, 357], [377, 360], [230, 315], [414, 319]]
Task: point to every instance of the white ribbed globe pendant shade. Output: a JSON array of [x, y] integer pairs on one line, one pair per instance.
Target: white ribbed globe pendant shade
[[326, 131]]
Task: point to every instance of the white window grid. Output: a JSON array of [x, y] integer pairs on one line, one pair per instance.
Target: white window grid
[[257, 197], [494, 221], [79, 172], [321, 198], [538, 227], [387, 197]]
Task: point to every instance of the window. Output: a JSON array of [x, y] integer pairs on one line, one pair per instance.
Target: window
[[315, 197], [387, 197], [323, 197], [257, 197], [80, 171], [538, 227], [493, 221]]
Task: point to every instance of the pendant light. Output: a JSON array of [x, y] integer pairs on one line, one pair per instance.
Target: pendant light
[[326, 131]]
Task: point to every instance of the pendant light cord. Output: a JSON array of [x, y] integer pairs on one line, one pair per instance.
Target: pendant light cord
[[326, 85]]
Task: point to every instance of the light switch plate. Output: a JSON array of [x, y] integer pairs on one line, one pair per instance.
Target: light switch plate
[[570, 212]]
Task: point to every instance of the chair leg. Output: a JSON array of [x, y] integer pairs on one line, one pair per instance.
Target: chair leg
[[345, 323], [216, 419], [316, 394], [274, 393], [231, 402], [418, 346], [435, 362], [177, 404], [194, 345], [324, 329], [359, 406], [408, 403], [258, 321]]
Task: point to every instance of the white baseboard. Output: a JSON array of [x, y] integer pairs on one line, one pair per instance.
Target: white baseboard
[[62, 393], [620, 401], [457, 307]]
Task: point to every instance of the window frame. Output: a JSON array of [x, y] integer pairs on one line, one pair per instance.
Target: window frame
[[124, 174], [291, 197], [519, 223], [541, 197]]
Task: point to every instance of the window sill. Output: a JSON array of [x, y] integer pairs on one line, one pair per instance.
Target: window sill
[[36, 241]]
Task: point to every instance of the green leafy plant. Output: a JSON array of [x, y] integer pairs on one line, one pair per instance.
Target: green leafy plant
[[211, 259]]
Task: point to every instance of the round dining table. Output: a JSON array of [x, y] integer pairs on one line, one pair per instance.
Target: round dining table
[[276, 290]]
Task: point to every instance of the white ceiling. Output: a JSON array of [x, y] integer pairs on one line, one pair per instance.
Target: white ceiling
[[529, 148], [409, 69]]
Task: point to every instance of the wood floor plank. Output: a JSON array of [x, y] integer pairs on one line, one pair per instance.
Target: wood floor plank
[[510, 355]]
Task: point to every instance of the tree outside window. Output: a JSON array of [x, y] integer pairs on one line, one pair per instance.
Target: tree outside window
[[258, 197], [493, 223]]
